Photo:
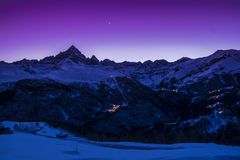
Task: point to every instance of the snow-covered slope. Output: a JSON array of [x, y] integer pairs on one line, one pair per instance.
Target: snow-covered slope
[[182, 73], [26, 146], [63, 72]]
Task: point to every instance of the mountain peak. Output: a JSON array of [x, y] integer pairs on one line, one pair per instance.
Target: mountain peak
[[73, 49], [183, 59], [71, 54], [226, 53], [94, 58]]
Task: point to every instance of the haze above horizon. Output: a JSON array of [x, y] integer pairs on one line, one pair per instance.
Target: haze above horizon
[[135, 30]]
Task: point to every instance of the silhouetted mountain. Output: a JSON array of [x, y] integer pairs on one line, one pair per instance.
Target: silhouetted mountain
[[183, 59], [94, 60], [107, 62], [72, 55]]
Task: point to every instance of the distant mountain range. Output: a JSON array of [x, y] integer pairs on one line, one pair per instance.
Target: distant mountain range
[[189, 100]]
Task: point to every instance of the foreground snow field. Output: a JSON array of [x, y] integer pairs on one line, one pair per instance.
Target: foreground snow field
[[25, 146], [22, 146]]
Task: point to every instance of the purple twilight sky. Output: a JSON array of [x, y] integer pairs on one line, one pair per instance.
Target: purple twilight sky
[[132, 30]]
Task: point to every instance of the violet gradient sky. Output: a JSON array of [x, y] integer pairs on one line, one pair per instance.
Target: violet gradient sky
[[133, 30]]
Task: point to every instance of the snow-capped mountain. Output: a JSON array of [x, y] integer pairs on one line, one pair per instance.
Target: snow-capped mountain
[[159, 101], [72, 66]]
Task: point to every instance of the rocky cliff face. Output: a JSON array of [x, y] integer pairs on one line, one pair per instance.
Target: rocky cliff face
[[190, 100]]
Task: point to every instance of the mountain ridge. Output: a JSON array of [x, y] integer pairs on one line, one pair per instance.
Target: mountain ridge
[[74, 50], [72, 66]]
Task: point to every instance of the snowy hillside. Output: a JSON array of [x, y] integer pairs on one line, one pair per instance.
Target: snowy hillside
[[26, 146]]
